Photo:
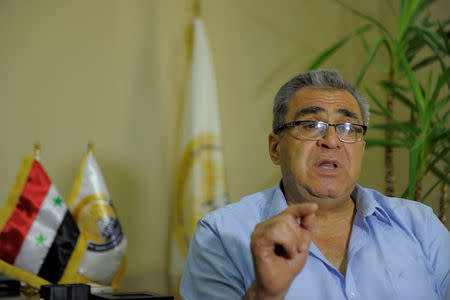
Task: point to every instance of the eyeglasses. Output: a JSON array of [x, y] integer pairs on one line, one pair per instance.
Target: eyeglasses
[[317, 130]]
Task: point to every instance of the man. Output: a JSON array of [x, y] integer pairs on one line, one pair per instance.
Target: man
[[319, 235]]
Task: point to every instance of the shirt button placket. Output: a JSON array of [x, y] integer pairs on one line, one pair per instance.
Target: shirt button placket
[[352, 295]]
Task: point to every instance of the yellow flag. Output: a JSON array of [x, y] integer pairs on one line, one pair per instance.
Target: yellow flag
[[200, 183]]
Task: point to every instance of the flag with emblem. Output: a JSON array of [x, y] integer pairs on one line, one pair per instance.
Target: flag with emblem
[[39, 240], [200, 182], [90, 203]]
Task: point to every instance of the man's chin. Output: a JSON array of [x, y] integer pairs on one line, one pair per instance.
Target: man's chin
[[326, 192]]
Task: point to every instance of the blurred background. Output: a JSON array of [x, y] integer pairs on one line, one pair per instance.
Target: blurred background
[[115, 72]]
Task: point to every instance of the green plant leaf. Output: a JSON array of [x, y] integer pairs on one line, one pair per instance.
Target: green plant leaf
[[440, 105], [436, 158], [444, 36], [331, 50], [385, 111], [376, 112], [432, 38], [395, 127], [425, 62], [439, 52], [417, 92], [439, 174], [370, 57], [372, 20], [408, 12], [428, 89], [392, 89], [439, 159], [383, 143], [414, 155], [414, 41], [396, 85], [424, 197], [443, 79], [376, 61]]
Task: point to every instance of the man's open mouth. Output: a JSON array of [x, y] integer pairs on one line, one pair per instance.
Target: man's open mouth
[[328, 164]]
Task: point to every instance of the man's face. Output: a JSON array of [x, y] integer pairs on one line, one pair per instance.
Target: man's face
[[325, 171]]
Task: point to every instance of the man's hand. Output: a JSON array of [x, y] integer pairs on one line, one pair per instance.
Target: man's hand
[[280, 249]]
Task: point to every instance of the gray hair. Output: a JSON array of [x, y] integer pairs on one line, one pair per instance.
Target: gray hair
[[317, 79]]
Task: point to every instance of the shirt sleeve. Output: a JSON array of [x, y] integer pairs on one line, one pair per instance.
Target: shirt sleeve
[[209, 272], [438, 252]]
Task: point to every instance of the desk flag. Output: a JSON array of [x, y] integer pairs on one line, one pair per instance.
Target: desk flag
[[90, 203], [200, 183], [39, 241]]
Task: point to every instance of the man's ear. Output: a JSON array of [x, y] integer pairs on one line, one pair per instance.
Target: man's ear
[[274, 148]]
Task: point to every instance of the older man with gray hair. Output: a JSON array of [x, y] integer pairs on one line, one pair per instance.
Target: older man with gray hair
[[318, 234]]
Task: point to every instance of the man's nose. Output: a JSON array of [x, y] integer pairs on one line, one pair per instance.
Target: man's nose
[[330, 140]]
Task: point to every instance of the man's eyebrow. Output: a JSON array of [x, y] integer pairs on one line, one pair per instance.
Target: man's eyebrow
[[348, 113], [310, 110]]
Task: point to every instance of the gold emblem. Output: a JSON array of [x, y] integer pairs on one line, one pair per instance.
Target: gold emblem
[[97, 219], [201, 186]]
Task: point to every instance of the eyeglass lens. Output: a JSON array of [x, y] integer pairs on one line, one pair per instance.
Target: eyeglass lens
[[317, 130]]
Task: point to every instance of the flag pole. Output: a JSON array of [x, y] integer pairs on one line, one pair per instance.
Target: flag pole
[[90, 147], [37, 148]]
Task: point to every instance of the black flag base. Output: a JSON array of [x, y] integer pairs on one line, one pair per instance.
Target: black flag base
[[83, 292], [9, 288], [65, 292]]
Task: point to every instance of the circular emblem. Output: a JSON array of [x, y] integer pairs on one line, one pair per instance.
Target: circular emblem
[[200, 186], [97, 219]]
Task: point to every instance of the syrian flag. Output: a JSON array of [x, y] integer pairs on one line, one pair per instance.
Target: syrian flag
[[104, 261], [39, 240]]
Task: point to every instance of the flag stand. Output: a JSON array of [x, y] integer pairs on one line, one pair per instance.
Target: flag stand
[[90, 147], [29, 291], [37, 148]]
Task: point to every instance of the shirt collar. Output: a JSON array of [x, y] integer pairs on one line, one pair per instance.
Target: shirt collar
[[278, 203], [365, 203]]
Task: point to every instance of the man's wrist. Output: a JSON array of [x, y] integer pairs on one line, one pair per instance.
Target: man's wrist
[[253, 293]]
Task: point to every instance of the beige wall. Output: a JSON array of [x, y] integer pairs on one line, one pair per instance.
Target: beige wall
[[114, 72]]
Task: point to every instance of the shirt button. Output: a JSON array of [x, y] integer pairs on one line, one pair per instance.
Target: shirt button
[[352, 295]]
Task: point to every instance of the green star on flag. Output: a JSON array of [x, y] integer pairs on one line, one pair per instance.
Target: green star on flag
[[40, 240], [57, 201]]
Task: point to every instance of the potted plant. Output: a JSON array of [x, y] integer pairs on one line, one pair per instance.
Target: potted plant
[[416, 43]]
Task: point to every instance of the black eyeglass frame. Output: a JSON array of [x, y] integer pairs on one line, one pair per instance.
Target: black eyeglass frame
[[297, 123]]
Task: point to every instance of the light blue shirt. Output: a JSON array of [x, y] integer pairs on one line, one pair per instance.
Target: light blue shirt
[[398, 250]]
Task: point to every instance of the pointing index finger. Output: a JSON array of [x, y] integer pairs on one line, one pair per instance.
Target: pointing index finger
[[305, 212], [301, 210]]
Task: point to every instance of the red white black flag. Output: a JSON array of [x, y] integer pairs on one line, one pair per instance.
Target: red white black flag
[[40, 242]]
